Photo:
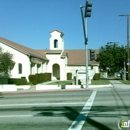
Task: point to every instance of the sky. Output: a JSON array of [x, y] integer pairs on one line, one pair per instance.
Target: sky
[[29, 22]]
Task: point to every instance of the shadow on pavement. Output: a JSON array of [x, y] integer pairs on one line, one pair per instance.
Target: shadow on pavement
[[96, 113], [72, 114], [116, 97], [68, 112]]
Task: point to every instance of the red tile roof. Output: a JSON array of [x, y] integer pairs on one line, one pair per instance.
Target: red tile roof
[[78, 57], [75, 57], [22, 48]]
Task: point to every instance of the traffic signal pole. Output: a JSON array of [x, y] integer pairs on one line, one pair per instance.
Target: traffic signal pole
[[86, 43], [84, 17]]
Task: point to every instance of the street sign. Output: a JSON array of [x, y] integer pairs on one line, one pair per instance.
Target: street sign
[[128, 63]]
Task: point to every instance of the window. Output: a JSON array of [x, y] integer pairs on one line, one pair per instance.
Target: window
[[55, 43], [20, 68]]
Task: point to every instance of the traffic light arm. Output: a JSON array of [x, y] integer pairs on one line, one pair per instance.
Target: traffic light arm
[[84, 28]]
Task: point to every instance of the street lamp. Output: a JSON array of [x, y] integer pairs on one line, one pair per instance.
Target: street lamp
[[87, 13]]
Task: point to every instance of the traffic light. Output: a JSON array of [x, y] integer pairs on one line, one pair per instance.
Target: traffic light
[[88, 9], [92, 55]]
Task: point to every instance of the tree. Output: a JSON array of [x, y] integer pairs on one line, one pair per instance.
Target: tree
[[6, 62], [112, 56]]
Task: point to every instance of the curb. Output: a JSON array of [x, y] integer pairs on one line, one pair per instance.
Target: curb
[[44, 91]]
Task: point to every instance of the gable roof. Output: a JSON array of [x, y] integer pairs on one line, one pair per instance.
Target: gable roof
[[23, 49], [62, 34], [75, 57], [78, 57], [44, 52]]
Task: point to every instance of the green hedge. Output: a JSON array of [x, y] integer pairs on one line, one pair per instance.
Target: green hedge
[[17, 81], [96, 76], [33, 79], [3, 80], [69, 76], [47, 77], [40, 78]]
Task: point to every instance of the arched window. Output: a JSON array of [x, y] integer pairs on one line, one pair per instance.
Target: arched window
[[55, 43], [20, 68]]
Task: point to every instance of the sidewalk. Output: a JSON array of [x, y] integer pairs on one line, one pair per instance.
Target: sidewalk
[[119, 85], [114, 84], [33, 90]]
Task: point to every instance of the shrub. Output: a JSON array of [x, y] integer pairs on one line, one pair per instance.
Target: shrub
[[33, 79], [3, 80], [96, 76], [36, 76], [39, 78], [17, 81], [69, 76], [47, 77]]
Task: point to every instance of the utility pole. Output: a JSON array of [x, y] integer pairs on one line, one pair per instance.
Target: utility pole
[[124, 76], [87, 13], [128, 55]]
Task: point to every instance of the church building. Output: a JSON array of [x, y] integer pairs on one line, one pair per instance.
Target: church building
[[56, 60]]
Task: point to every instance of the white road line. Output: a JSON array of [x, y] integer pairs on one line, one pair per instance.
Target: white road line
[[41, 104], [78, 123], [15, 116]]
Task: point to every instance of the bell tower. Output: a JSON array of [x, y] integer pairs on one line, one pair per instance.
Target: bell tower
[[56, 41]]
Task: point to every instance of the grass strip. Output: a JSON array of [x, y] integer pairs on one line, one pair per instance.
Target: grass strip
[[127, 82], [61, 83], [100, 82]]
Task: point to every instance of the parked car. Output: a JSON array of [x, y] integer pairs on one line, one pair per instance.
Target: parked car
[[118, 75]]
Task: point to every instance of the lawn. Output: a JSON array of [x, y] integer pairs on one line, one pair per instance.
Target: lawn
[[61, 83], [100, 82], [94, 82]]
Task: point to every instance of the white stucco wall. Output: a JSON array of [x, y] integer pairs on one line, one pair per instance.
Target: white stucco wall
[[44, 67], [73, 69], [18, 57], [96, 69], [56, 59], [56, 36]]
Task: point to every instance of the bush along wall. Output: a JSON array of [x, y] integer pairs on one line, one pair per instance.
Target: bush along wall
[[39, 78], [3, 80], [69, 76], [17, 81], [33, 79], [47, 77], [96, 76]]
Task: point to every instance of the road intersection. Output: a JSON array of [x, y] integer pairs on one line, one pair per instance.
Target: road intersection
[[97, 109]]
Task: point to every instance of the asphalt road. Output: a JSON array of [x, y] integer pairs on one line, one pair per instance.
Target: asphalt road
[[100, 109]]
